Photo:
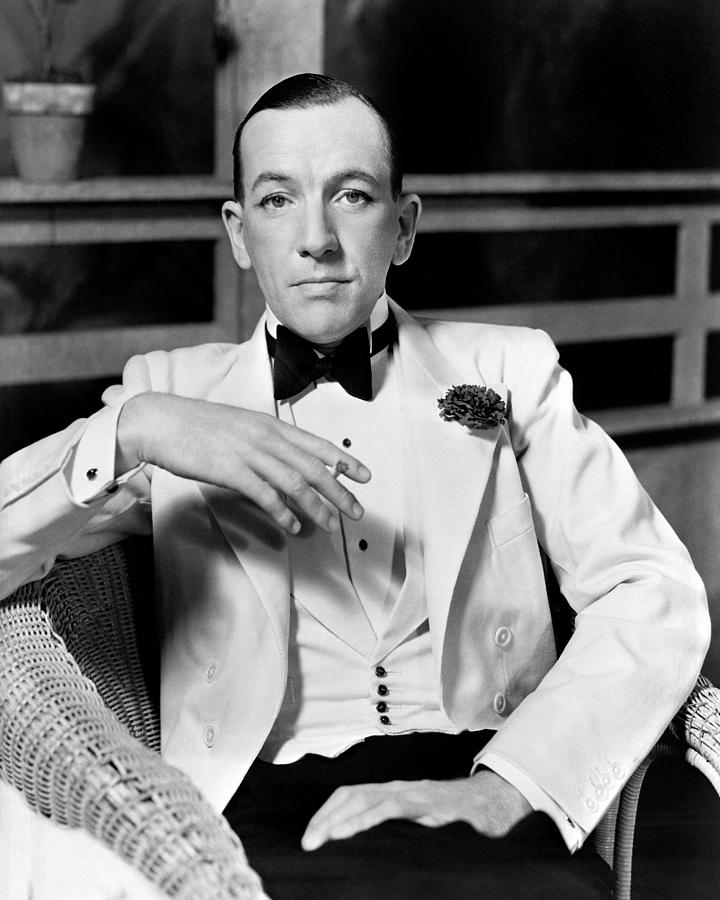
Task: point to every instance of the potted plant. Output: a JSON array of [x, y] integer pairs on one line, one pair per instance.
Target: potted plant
[[47, 108]]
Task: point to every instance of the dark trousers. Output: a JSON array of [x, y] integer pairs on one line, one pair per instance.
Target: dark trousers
[[399, 860]]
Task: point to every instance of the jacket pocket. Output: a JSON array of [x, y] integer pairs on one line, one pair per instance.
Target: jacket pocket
[[523, 637]]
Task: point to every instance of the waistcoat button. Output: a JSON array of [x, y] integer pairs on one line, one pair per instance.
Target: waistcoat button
[[384, 720], [380, 671], [381, 706], [383, 690]]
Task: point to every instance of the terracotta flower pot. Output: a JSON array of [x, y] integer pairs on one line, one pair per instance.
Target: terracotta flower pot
[[47, 125]]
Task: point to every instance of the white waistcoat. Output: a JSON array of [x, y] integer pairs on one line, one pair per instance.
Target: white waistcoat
[[360, 659]]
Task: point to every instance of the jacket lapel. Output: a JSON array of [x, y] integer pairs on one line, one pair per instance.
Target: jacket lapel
[[332, 600], [451, 464], [258, 543]]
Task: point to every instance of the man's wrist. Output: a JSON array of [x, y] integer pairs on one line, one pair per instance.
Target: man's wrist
[[539, 799], [132, 431], [510, 803]]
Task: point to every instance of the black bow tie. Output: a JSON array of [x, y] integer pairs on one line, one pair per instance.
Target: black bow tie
[[297, 364]]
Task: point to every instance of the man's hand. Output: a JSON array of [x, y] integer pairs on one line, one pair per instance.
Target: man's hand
[[281, 468], [485, 800]]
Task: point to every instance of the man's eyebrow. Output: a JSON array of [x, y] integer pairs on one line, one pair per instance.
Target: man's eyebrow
[[264, 177], [361, 174]]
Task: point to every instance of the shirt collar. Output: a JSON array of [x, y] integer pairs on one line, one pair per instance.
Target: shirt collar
[[378, 316]]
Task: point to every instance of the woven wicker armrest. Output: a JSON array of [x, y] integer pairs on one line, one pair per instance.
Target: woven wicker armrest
[[695, 734], [697, 725], [77, 763]]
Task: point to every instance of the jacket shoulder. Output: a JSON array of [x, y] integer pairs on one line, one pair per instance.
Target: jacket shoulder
[[189, 371], [498, 351]]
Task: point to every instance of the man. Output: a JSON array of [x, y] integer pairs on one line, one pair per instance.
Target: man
[[343, 668]]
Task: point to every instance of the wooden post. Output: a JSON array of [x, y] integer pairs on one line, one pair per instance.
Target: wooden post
[[275, 39], [691, 290]]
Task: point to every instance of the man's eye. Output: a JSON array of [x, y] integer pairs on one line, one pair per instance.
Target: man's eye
[[356, 198], [274, 201]]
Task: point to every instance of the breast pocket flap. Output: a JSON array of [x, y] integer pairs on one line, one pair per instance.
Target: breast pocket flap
[[511, 524]]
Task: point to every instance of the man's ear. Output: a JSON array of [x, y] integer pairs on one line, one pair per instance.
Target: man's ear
[[409, 209], [232, 215]]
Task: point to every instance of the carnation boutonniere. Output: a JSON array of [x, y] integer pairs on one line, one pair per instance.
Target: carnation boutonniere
[[473, 405]]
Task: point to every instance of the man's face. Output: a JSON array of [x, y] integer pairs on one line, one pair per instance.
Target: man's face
[[318, 222]]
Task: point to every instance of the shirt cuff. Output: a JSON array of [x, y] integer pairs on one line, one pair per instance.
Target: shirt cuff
[[90, 471], [573, 835]]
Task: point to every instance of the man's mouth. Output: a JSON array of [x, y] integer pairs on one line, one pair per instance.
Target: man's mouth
[[324, 279]]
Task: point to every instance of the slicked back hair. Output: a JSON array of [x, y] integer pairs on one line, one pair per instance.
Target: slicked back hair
[[305, 92]]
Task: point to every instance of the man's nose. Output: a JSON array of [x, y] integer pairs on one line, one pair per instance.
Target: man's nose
[[316, 233]]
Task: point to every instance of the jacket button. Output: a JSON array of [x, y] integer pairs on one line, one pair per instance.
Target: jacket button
[[91, 474], [210, 736], [383, 690], [211, 673], [380, 671], [499, 703], [503, 636], [384, 720]]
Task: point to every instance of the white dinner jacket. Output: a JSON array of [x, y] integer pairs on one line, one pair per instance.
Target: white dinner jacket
[[576, 727]]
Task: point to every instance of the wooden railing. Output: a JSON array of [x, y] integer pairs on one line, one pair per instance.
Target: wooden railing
[[145, 209], [688, 201]]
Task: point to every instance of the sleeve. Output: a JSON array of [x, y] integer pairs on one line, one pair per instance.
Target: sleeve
[[642, 624], [42, 519], [91, 469]]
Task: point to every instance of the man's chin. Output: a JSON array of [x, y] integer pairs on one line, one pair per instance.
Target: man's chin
[[324, 320], [324, 332]]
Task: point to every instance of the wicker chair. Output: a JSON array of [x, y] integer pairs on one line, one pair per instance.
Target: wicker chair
[[79, 732]]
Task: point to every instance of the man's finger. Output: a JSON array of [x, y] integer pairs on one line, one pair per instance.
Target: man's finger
[[326, 484], [289, 461], [309, 489], [327, 453], [363, 811], [267, 498]]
